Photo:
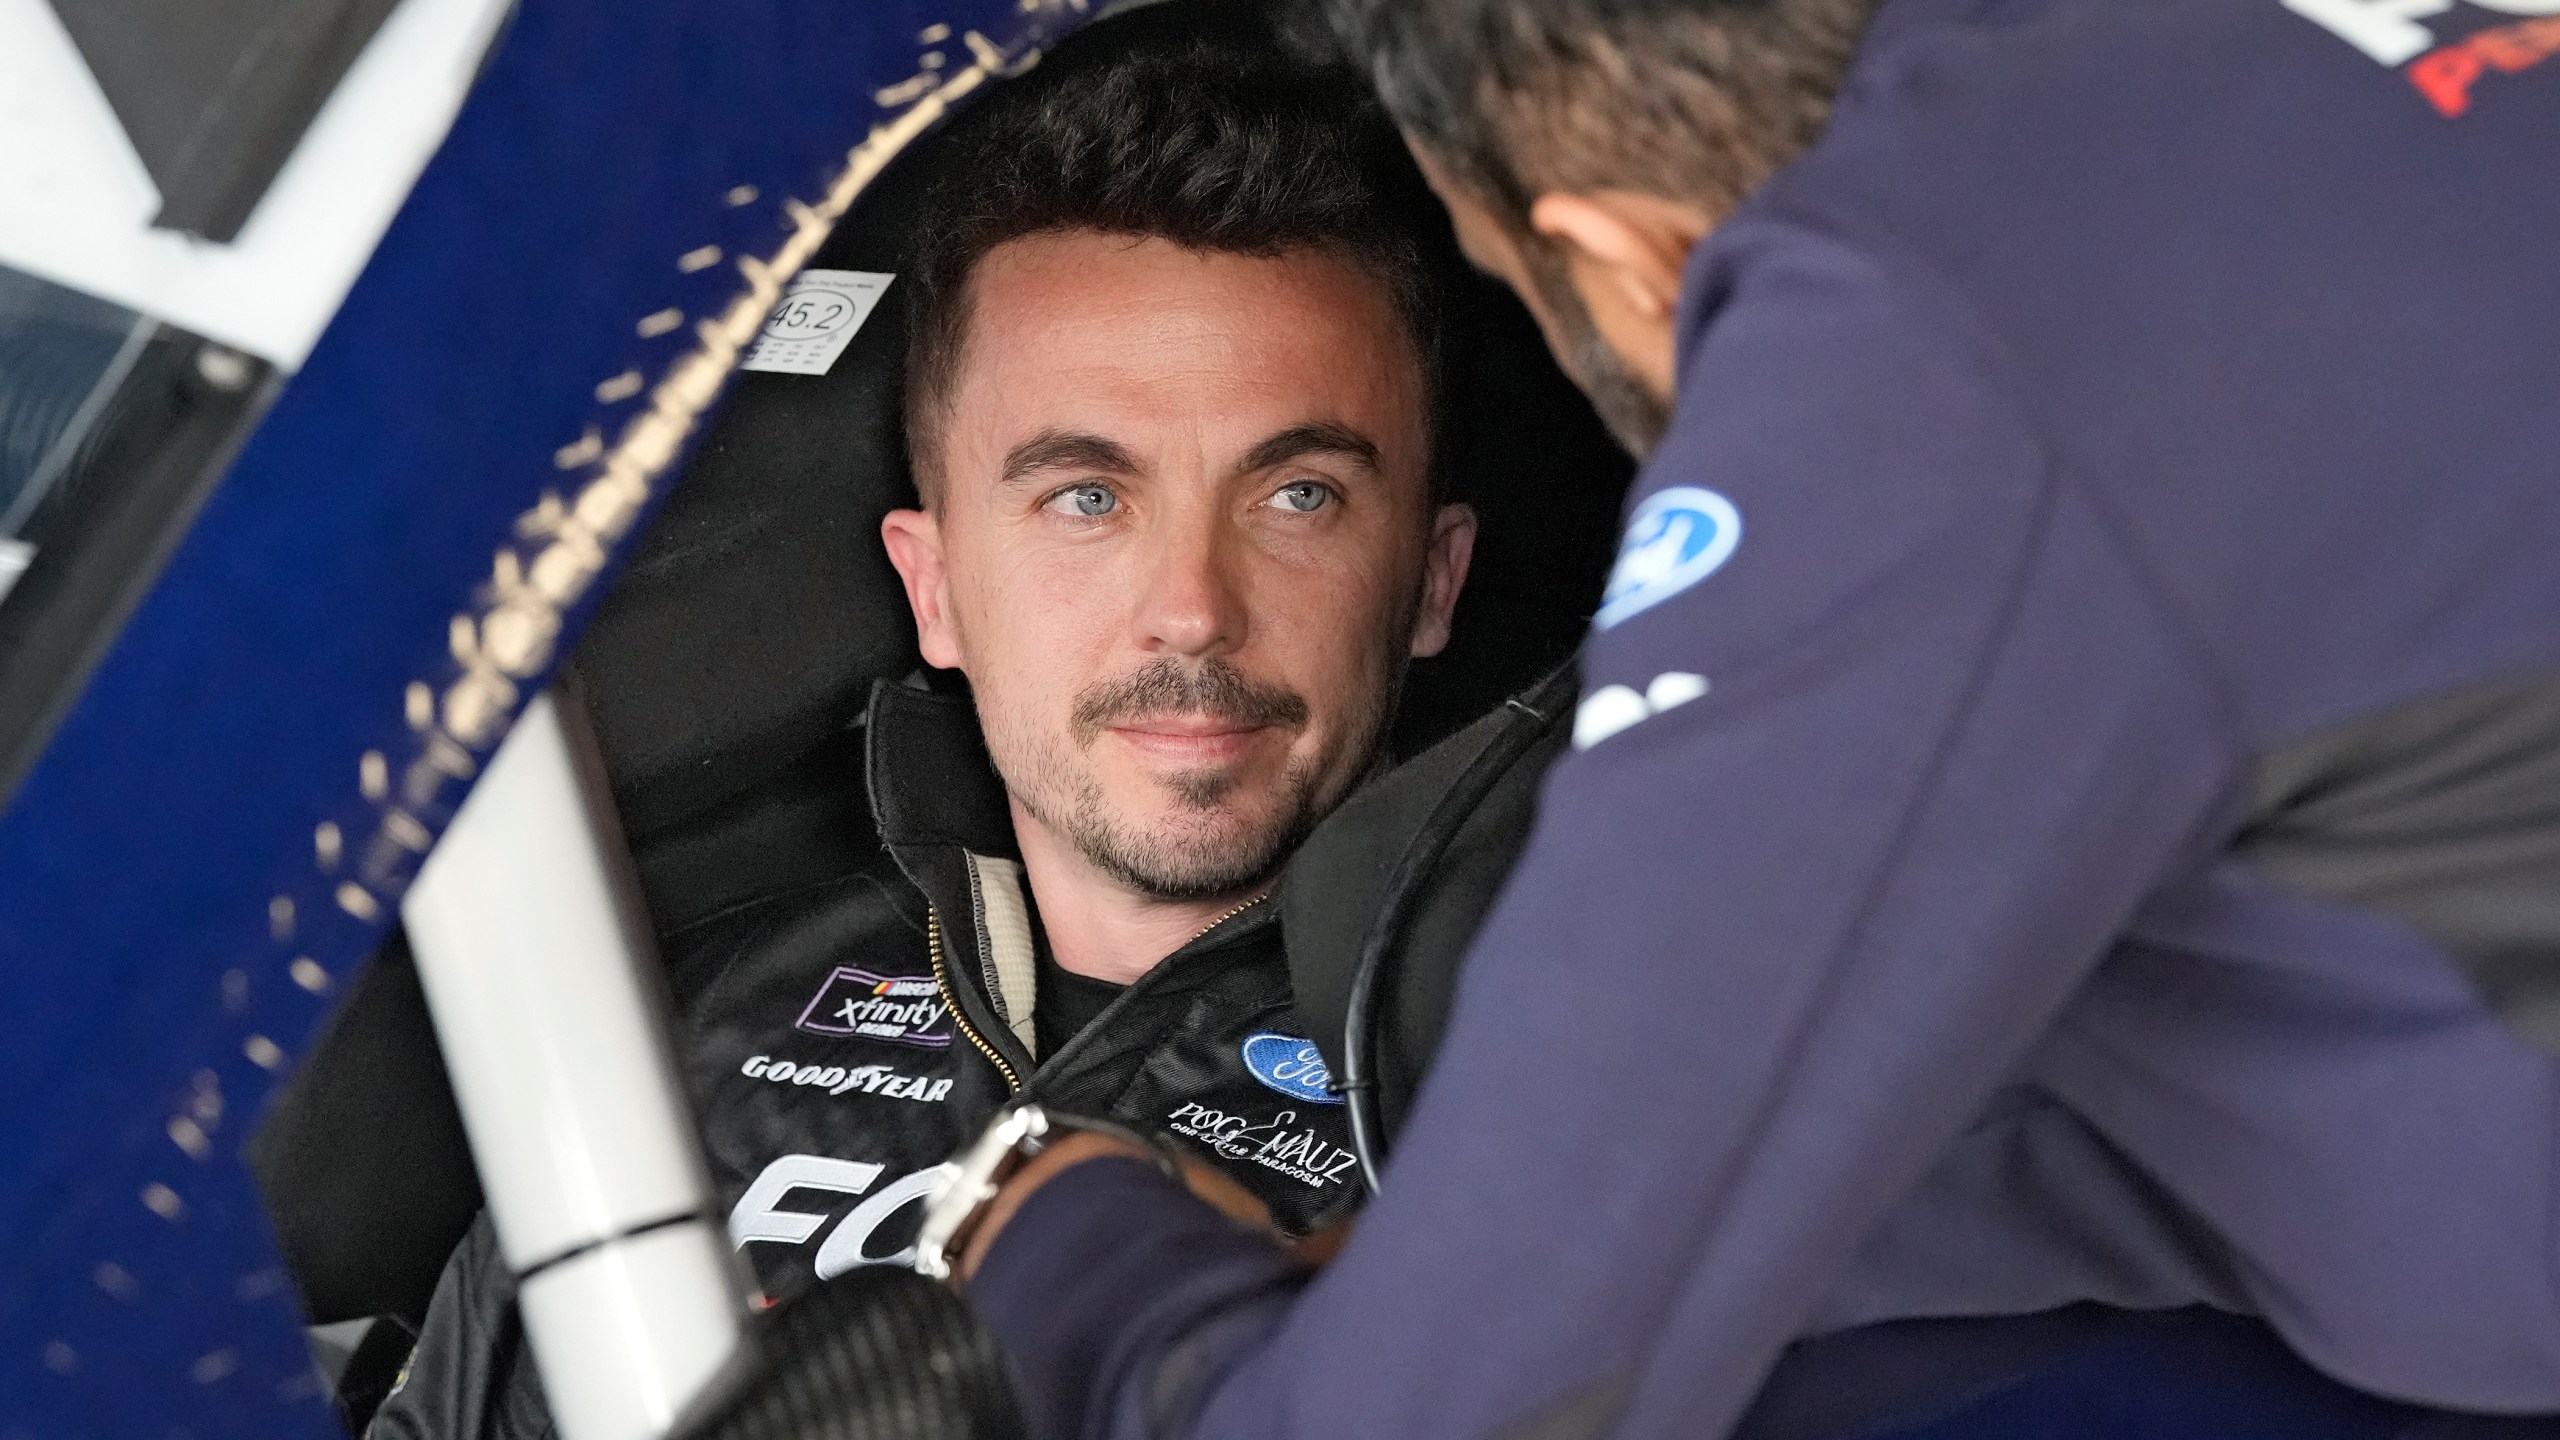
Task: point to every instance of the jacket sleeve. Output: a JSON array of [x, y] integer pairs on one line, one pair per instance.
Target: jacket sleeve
[[1855, 806], [471, 1376]]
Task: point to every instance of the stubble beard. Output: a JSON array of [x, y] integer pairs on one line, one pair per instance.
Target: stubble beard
[[1194, 856], [1632, 413]]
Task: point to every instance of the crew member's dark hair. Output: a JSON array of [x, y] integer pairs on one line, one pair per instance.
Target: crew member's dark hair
[[1693, 100], [1212, 138]]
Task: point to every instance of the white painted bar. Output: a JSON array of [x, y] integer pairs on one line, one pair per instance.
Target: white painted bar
[[539, 971], [629, 1334]]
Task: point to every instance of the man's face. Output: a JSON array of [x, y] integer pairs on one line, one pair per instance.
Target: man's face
[[1592, 351], [1182, 544]]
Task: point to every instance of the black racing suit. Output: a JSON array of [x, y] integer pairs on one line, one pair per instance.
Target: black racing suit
[[841, 1041]]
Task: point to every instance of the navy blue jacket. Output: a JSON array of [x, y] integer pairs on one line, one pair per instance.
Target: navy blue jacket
[[2070, 756]]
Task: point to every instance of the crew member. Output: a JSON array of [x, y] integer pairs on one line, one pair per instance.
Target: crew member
[[1169, 406], [2065, 808]]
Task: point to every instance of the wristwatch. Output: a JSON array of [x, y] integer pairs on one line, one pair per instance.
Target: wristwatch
[[1006, 1145]]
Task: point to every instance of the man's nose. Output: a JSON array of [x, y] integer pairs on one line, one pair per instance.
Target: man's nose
[[1190, 604]]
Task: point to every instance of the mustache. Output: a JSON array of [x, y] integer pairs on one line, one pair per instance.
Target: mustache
[[1166, 686]]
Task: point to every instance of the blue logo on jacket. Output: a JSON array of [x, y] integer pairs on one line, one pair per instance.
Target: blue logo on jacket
[[1290, 1065], [1676, 538]]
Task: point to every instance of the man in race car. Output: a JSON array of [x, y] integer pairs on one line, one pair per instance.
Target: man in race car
[[1169, 406]]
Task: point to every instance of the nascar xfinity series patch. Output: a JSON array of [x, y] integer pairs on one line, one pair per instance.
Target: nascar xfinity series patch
[[902, 1009]]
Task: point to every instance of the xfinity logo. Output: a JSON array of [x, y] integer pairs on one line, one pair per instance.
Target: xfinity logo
[[761, 1215], [905, 1009]]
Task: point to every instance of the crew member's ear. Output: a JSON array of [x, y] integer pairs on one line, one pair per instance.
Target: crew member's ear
[[914, 538], [1444, 574], [1624, 252]]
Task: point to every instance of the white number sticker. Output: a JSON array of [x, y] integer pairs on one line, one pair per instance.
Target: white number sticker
[[816, 320]]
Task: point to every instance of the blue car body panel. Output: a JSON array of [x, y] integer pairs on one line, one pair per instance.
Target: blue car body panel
[[347, 626]]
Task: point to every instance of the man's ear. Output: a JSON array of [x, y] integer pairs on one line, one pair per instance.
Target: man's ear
[[1637, 244], [914, 539], [1444, 574]]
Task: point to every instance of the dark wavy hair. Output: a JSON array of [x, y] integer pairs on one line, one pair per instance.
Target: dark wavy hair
[[1203, 130], [1694, 100]]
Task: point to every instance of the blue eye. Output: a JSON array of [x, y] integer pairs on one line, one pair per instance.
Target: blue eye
[[1302, 498], [1084, 501]]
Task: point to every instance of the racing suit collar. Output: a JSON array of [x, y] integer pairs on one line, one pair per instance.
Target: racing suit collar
[[930, 778], [933, 786], [941, 811]]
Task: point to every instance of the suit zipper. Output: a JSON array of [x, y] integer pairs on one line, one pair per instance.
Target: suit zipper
[[959, 1016], [1223, 919]]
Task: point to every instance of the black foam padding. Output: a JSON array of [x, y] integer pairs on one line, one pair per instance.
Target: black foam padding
[[362, 1160], [878, 1354], [215, 94], [805, 825], [760, 605]]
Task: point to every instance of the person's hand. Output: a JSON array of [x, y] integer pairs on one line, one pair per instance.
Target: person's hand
[[1206, 1181]]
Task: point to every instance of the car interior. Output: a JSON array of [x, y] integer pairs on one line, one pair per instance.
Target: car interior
[[727, 670]]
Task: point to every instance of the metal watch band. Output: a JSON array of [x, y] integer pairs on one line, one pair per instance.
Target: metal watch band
[[1009, 1140]]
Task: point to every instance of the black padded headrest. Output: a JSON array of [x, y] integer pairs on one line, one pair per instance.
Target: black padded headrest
[[760, 606]]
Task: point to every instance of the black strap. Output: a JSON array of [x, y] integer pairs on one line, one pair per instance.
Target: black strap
[[1531, 715]]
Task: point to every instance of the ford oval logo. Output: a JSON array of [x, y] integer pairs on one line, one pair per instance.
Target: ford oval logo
[[1290, 1065], [1676, 538]]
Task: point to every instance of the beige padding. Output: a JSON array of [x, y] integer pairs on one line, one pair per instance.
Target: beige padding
[[1006, 922]]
